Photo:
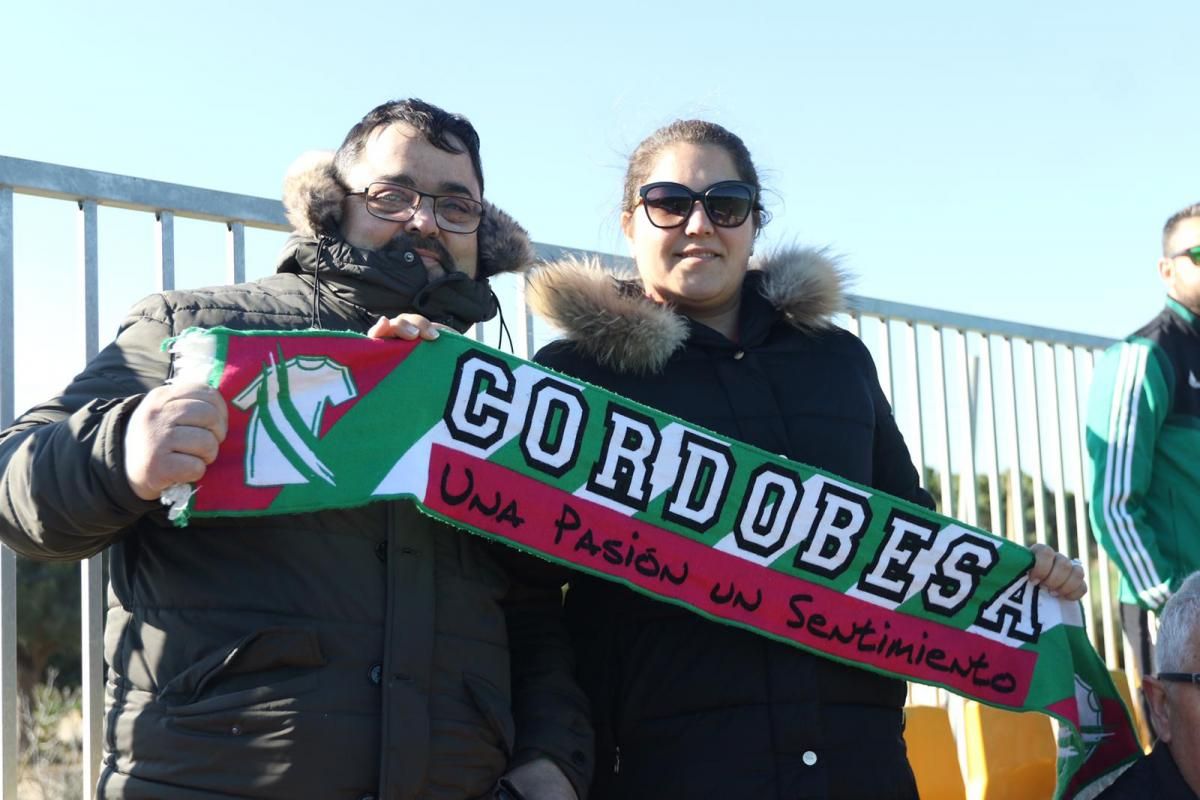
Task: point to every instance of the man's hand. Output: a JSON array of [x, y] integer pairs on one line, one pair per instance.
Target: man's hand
[[1056, 574], [541, 779], [405, 326], [173, 436]]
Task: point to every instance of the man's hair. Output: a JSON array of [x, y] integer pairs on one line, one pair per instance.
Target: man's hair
[[1179, 627], [1179, 216], [695, 132], [439, 127]]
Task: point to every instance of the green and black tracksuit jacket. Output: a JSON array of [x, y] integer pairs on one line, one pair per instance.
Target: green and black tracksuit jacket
[[1143, 439]]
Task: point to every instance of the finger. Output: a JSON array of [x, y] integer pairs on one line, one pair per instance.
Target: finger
[[167, 469], [175, 468], [375, 331], [395, 328], [165, 399], [1060, 575], [382, 329], [414, 326], [194, 413], [1076, 585], [180, 391], [1043, 562], [201, 443]]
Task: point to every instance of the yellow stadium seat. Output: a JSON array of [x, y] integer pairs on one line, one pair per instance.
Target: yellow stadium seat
[[1126, 690], [932, 753], [1010, 755]]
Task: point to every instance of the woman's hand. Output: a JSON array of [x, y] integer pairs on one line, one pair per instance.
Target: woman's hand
[[1056, 574], [405, 326]]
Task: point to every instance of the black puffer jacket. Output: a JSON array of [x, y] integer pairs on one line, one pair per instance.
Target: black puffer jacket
[[368, 652], [685, 707]]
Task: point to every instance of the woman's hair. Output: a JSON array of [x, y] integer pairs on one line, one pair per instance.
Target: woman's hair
[[696, 132]]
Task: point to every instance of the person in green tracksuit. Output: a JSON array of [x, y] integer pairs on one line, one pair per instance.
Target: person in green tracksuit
[[1143, 441]]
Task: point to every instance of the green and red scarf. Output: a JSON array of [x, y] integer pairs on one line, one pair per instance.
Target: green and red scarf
[[550, 465]]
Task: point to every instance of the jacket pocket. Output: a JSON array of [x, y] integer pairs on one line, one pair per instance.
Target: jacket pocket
[[270, 664], [495, 707]]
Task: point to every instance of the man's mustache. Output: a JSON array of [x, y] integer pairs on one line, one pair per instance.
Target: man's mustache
[[407, 241]]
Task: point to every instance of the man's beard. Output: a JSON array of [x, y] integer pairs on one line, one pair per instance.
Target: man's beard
[[408, 241]]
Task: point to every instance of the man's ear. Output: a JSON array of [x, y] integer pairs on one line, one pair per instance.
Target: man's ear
[[1166, 270], [1160, 709]]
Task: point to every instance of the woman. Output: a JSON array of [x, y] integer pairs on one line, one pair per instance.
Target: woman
[[685, 707]]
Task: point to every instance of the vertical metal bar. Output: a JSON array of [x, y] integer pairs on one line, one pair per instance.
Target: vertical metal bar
[[987, 389], [1108, 619], [1059, 472], [917, 444], [235, 253], [89, 274], [524, 321], [1038, 482], [9, 702], [892, 367], [9, 730], [884, 367], [1016, 507], [854, 323], [968, 505], [7, 306], [91, 571], [1079, 481], [91, 584], [1108, 601], [164, 247], [942, 408]]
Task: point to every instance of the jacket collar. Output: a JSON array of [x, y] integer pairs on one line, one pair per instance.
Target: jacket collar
[[610, 319], [1183, 312]]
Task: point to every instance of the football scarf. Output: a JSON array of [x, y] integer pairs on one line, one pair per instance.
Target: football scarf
[[514, 452]]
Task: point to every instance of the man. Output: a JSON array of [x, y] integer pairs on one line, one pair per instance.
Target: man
[[1172, 770], [1143, 434], [360, 653]]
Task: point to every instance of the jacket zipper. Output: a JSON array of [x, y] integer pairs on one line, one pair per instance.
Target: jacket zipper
[[617, 760]]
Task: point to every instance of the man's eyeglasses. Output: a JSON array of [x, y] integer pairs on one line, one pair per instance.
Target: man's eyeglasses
[[1180, 677], [668, 205], [396, 203], [1192, 252]]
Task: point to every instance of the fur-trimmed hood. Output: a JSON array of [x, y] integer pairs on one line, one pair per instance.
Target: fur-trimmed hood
[[609, 317], [313, 195]]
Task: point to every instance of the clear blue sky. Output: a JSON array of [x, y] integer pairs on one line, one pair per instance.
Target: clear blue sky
[[1013, 160]]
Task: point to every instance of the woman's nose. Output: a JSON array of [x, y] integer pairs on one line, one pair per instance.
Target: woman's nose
[[698, 222]]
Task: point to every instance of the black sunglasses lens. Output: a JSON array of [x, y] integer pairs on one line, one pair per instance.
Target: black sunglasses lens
[[667, 205], [728, 206]]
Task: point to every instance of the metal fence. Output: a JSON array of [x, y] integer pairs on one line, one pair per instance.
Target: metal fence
[[991, 410]]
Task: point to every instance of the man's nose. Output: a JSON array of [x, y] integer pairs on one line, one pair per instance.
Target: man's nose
[[423, 221], [698, 223]]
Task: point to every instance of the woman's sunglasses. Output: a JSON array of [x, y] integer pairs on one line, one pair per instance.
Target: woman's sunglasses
[[668, 205]]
